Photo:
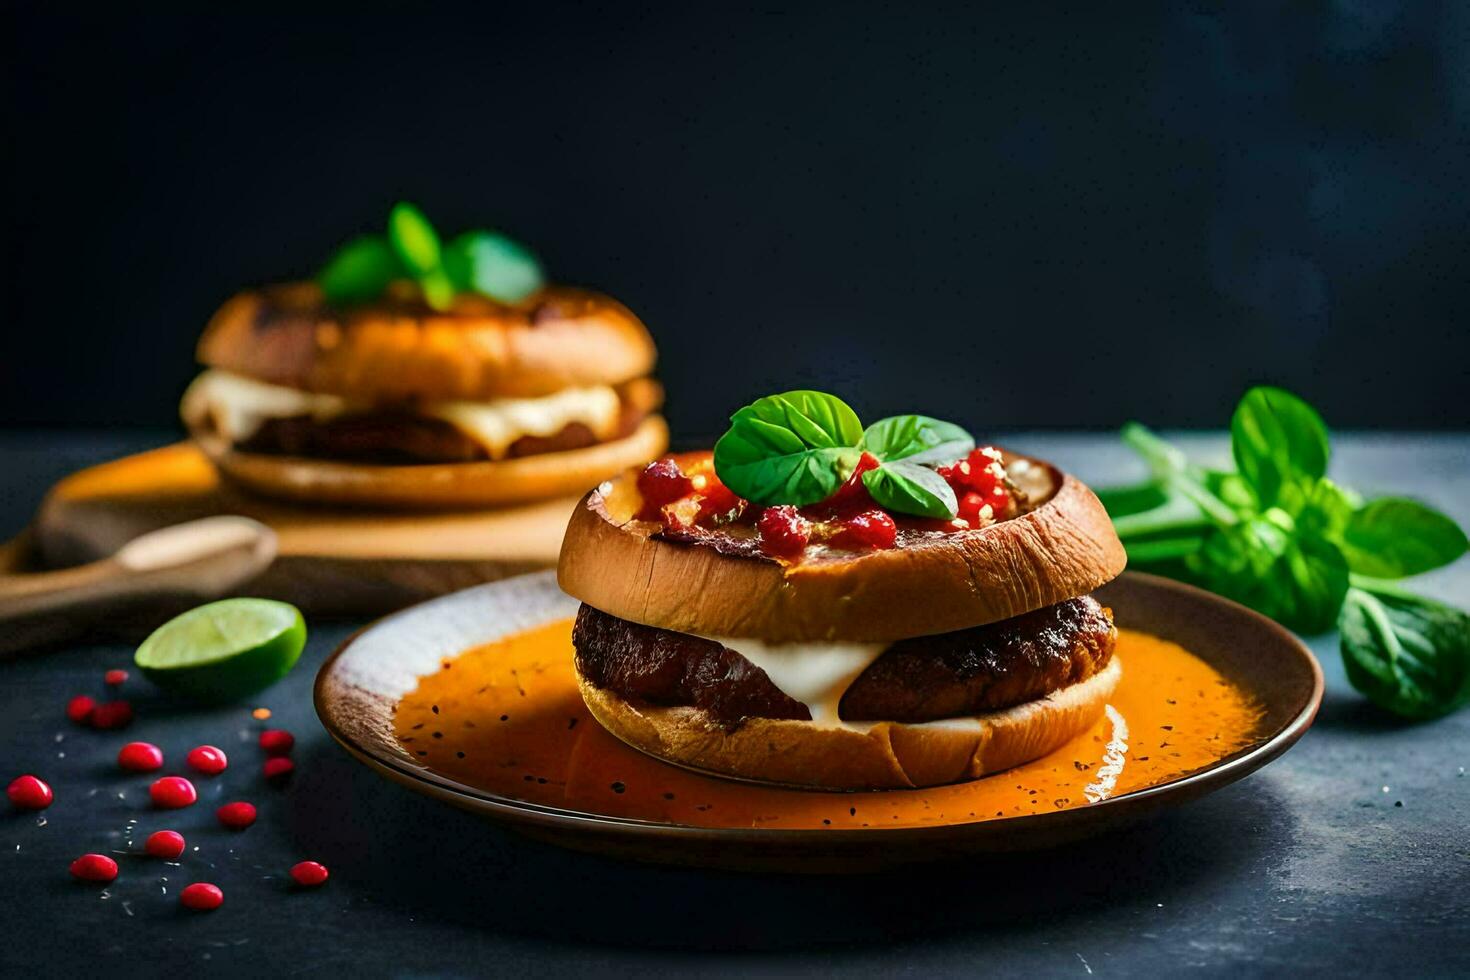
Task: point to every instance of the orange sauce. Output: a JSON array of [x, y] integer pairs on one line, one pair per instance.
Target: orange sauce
[[506, 718]]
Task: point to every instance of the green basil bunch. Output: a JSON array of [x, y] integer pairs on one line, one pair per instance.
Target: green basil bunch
[[800, 446], [484, 262], [1279, 536]]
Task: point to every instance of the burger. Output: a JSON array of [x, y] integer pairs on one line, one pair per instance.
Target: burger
[[415, 373], [819, 604]]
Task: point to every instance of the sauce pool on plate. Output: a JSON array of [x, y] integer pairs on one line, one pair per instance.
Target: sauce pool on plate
[[506, 718]]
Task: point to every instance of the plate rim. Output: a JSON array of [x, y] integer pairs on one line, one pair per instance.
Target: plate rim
[[520, 812]]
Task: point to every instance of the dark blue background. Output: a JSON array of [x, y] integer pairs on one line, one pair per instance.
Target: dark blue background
[[1008, 217]]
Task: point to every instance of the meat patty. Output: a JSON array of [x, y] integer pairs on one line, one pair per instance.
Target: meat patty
[[662, 667], [986, 668], [921, 679], [401, 437]]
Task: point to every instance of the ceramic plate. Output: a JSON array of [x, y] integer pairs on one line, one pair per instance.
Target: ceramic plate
[[360, 685]]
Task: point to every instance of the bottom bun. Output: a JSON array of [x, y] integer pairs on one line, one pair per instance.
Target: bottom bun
[[846, 756], [484, 483]]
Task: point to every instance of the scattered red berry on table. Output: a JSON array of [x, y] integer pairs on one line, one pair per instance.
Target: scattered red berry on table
[[236, 816], [278, 767], [277, 741], [140, 757], [172, 792], [869, 529], [115, 678], [94, 867], [308, 874], [660, 483], [201, 897], [783, 530], [112, 714], [208, 760], [79, 709], [29, 793], [165, 844]]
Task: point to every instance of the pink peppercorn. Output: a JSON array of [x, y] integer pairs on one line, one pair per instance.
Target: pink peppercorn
[[172, 792], [79, 709], [115, 678], [236, 816], [165, 844], [208, 760], [201, 897], [29, 793], [308, 874], [112, 714], [277, 741], [94, 867], [140, 757], [278, 768]]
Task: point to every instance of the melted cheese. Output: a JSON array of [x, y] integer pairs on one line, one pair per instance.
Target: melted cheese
[[816, 674], [238, 406]]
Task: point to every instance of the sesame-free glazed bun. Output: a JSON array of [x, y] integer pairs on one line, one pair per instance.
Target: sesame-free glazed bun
[[1063, 548], [881, 755], [484, 483], [397, 349]]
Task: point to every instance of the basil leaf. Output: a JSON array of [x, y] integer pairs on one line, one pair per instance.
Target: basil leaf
[[1280, 446], [414, 239], [492, 264], [916, 438], [792, 448], [360, 270], [908, 488], [1262, 563], [1410, 656], [438, 290], [1326, 511], [1393, 537]]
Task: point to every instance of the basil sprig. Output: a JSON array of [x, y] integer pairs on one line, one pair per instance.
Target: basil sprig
[[799, 447], [1282, 538], [483, 262]]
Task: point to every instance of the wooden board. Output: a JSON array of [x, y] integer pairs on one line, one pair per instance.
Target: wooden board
[[330, 562]]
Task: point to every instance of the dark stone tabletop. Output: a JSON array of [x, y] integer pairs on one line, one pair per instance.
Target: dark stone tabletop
[[1351, 854]]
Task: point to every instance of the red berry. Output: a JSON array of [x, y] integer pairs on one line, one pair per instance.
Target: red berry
[[869, 529], [201, 897], [115, 678], [277, 741], [278, 767], [79, 709], [29, 793], [112, 714], [783, 530], [853, 494], [308, 874], [208, 760], [94, 867], [140, 757], [172, 792], [165, 844], [660, 483], [236, 816]]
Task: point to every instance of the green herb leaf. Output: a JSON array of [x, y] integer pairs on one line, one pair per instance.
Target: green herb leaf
[[1410, 656], [360, 270], [1262, 563], [917, 439], [1393, 537], [1326, 511], [1280, 446], [1139, 498], [492, 264], [437, 289], [414, 239], [792, 448], [909, 488]]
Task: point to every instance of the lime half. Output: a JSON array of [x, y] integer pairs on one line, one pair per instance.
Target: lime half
[[224, 650]]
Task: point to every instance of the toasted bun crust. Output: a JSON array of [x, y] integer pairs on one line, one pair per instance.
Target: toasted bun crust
[[885, 755], [1064, 548], [398, 349], [435, 485]]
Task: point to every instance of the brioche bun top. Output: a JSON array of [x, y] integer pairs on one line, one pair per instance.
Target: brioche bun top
[[1062, 548], [398, 349]]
